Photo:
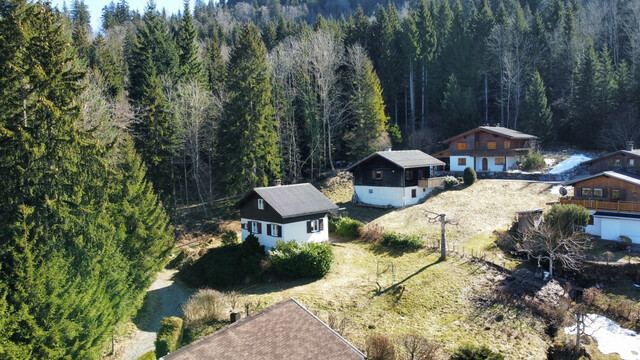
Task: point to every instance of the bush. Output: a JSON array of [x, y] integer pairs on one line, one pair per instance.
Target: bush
[[402, 241], [372, 233], [470, 352], [379, 347], [450, 182], [396, 135], [348, 227], [469, 176], [169, 336], [533, 161], [293, 260], [625, 242], [148, 356], [229, 237], [204, 306], [564, 217]]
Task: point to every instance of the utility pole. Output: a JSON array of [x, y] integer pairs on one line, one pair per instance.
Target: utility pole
[[443, 238]]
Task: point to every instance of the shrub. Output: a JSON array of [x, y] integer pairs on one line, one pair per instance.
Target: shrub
[[204, 306], [251, 255], [625, 242], [469, 176], [396, 135], [470, 352], [564, 217], [293, 260], [229, 237], [402, 241], [348, 227], [379, 347], [533, 161], [148, 356], [372, 233], [450, 182], [333, 224], [168, 336]]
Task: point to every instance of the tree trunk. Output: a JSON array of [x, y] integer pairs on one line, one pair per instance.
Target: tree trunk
[[186, 179], [486, 99], [424, 76], [443, 239], [412, 99], [330, 152]]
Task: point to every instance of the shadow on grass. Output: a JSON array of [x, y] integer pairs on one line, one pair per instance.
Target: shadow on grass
[[401, 282], [272, 284], [362, 212], [393, 251]]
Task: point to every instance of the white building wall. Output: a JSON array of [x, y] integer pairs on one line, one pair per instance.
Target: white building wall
[[612, 228], [511, 161], [453, 163], [491, 164], [292, 231], [390, 196], [595, 228]]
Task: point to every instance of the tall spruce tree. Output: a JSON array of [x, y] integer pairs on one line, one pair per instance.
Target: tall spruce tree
[[535, 117], [247, 138], [584, 117], [190, 65]]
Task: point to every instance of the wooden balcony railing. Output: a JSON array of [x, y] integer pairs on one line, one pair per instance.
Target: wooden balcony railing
[[431, 182], [617, 206]]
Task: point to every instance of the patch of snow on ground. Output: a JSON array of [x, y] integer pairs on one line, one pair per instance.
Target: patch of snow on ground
[[611, 337], [549, 162], [569, 163]]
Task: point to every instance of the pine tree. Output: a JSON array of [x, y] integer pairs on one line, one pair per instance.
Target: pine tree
[[428, 44], [459, 108], [535, 117], [247, 138], [369, 121], [190, 65], [584, 117]]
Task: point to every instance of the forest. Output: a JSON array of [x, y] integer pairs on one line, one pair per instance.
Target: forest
[[103, 135]]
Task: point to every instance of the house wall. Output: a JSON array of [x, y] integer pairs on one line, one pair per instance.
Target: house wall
[[290, 231], [612, 228], [392, 175], [478, 141], [390, 196], [607, 163], [453, 166], [628, 192], [249, 209], [597, 225]]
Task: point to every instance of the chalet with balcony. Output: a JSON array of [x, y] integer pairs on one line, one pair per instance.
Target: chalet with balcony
[[285, 212], [394, 178], [611, 196], [627, 160], [487, 148]]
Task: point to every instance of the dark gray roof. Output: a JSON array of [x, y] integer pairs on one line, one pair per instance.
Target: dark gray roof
[[635, 152], [499, 130], [285, 331], [626, 177], [406, 159], [294, 200]]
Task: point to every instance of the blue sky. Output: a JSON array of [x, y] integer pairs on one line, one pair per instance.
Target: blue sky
[[95, 8]]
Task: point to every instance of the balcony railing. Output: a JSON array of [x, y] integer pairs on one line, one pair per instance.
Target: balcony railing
[[617, 206], [431, 182]]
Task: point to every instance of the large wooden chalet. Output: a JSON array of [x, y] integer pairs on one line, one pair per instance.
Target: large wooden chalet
[[394, 178], [285, 212], [611, 193], [486, 148]]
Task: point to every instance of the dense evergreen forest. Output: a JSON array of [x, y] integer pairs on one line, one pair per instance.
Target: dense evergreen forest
[[98, 131]]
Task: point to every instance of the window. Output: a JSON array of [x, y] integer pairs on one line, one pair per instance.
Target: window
[[409, 174], [260, 204], [315, 225], [616, 162], [597, 192], [507, 144], [256, 227], [632, 162], [413, 193], [499, 161], [370, 191], [615, 195], [377, 174], [462, 161], [274, 230], [491, 145], [586, 192], [462, 146]]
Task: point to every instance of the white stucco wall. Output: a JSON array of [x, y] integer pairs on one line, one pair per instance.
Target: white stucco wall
[[612, 228], [491, 164], [511, 161], [292, 231], [453, 164], [390, 196], [595, 228]]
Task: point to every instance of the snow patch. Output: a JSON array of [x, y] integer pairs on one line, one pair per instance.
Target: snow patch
[[611, 337], [569, 163]]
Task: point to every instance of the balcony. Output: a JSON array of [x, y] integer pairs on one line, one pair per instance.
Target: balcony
[[616, 206], [490, 152], [431, 182]]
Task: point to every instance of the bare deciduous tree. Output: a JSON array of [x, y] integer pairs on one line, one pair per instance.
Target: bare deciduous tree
[[380, 347], [418, 347]]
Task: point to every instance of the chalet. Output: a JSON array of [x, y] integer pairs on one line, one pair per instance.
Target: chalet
[[285, 212], [624, 160], [285, 331], [487, 148], [613, 200], [394, 178]]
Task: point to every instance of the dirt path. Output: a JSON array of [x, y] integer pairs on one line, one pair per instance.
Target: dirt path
[[164, 298]]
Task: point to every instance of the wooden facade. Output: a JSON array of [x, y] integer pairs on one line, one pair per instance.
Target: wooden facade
[[379, 171], [484, 143], [620, 160], [249, 210], [604, 188]]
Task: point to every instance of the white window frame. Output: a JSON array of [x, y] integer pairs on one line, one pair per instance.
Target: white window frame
[[315, 226], [260, 204], [274, 230], [596, 191], [254, 227], [632, 162]]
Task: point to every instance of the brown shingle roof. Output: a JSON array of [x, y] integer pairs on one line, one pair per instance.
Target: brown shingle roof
[[293, 200], [406, 159], [499, 130], [285, 331]]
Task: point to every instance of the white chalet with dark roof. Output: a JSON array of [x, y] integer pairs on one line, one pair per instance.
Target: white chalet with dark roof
[[287, 212]]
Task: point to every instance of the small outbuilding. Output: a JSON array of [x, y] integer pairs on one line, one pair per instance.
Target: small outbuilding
[[394, 178], [286, 212]]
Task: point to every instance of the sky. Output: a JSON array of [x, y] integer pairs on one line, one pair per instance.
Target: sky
[[95, 8]]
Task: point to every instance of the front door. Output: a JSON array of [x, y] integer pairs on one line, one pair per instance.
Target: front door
[[485, 164]]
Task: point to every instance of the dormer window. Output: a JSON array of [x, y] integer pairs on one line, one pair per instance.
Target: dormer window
[[260, 204]]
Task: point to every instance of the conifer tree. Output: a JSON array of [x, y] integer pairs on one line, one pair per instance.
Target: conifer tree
[[190, 65], [369, 121], [459, 108], [584, 120], [428, 44], [247, 138], [535, 117]]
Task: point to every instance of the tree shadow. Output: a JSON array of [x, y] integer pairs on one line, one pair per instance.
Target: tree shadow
[[392, 251], [159, 303], [401, 282]]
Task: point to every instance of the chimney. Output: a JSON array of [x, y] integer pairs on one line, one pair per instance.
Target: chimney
[[629, 145], [235, 316], [277, 182]]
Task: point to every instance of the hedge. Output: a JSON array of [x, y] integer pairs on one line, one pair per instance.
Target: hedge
[[293, 260], [169, 336], [402, 241], [470, 352]]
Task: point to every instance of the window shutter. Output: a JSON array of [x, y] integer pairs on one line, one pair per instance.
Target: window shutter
[[309, 227], [279, 231], [269, 229], [321, 224], [243, 225], [259, 227], [373, 174]]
